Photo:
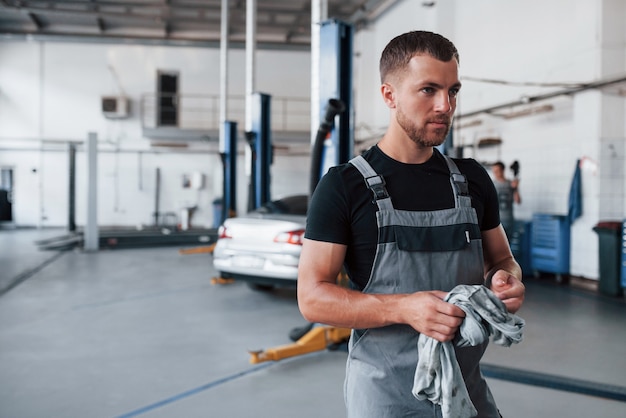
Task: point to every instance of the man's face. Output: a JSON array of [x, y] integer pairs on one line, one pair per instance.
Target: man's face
[[425, 99]]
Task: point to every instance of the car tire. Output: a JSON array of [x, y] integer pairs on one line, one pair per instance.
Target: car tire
[[296, 333]]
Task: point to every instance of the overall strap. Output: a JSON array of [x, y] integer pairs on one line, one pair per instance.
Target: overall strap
[[459, 184], [374, 182]]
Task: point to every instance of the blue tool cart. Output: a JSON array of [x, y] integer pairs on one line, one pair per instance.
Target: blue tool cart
[[550, 244]]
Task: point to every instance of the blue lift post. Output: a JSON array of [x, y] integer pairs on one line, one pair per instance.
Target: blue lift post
[[229, 162], [260, 141], [335, 88], [336, 38]]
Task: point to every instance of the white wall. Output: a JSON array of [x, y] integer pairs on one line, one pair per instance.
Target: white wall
[[50, 94]]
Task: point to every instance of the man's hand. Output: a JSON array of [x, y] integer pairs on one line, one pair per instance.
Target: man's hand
[[428, 314], [509, 289]]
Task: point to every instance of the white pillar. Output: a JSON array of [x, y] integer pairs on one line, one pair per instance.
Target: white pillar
[[319, 13], [223, 73], [41, 131], [92, 238], [250, 58]]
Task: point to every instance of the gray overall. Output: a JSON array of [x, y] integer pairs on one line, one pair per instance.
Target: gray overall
[[416, 251]]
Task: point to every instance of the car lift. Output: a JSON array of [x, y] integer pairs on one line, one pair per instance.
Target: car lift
[[335, 100], [164, 231], [332, 145]]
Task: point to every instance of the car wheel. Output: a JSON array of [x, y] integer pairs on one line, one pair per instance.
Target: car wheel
[[296, 333]]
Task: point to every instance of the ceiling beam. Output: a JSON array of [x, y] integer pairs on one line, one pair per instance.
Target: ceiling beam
[[148, 40], [281, 23], [78, 6]]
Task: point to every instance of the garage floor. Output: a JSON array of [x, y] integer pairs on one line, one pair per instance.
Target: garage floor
[[143, 332]]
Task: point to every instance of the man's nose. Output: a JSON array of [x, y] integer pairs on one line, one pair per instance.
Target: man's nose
[[444, 103]]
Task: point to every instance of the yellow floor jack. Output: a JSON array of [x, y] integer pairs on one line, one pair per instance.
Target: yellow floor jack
[[205, 249], [317, 339], [307, 339]]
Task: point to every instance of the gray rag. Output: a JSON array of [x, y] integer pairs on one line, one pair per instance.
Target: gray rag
[[438, 376]]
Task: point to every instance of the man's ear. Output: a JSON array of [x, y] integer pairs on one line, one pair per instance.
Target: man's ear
[[389, 95]]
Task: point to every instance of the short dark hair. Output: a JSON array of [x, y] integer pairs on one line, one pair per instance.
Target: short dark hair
[[402, 48], [498, 164]]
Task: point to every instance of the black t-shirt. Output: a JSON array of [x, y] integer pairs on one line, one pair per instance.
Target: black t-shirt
[[342, 210]]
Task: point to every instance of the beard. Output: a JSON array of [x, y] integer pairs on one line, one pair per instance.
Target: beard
[[420, 135]]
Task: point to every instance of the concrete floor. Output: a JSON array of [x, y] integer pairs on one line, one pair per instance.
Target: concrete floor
[[143, 332]]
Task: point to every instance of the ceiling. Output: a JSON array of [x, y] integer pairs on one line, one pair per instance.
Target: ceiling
[[280, 24]]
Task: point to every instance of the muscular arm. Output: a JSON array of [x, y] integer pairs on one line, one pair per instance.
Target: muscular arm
[[321, 300], [504, 275]]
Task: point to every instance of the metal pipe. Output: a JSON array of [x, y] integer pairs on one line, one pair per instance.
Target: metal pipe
[[333, 108], [533, 99]]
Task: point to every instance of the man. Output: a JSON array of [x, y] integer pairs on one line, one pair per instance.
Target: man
[[507, 194], [406, 235]]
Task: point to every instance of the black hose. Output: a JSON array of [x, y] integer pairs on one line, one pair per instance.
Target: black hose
[[333, 108]]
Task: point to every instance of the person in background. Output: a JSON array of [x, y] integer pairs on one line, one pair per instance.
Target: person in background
[[408, 224], [508, 193]]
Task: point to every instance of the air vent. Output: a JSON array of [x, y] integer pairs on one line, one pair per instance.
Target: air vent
[[115, 107]]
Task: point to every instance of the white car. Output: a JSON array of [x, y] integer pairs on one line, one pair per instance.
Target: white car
[[263, 247]]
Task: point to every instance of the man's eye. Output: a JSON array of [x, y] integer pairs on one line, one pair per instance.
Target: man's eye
[[454, 92], [428, 90]]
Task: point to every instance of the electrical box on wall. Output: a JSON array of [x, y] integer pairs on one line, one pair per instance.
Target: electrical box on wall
[[197, 180], [115, 107]]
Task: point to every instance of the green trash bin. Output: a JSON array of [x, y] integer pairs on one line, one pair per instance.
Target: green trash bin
[[610, 248]]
